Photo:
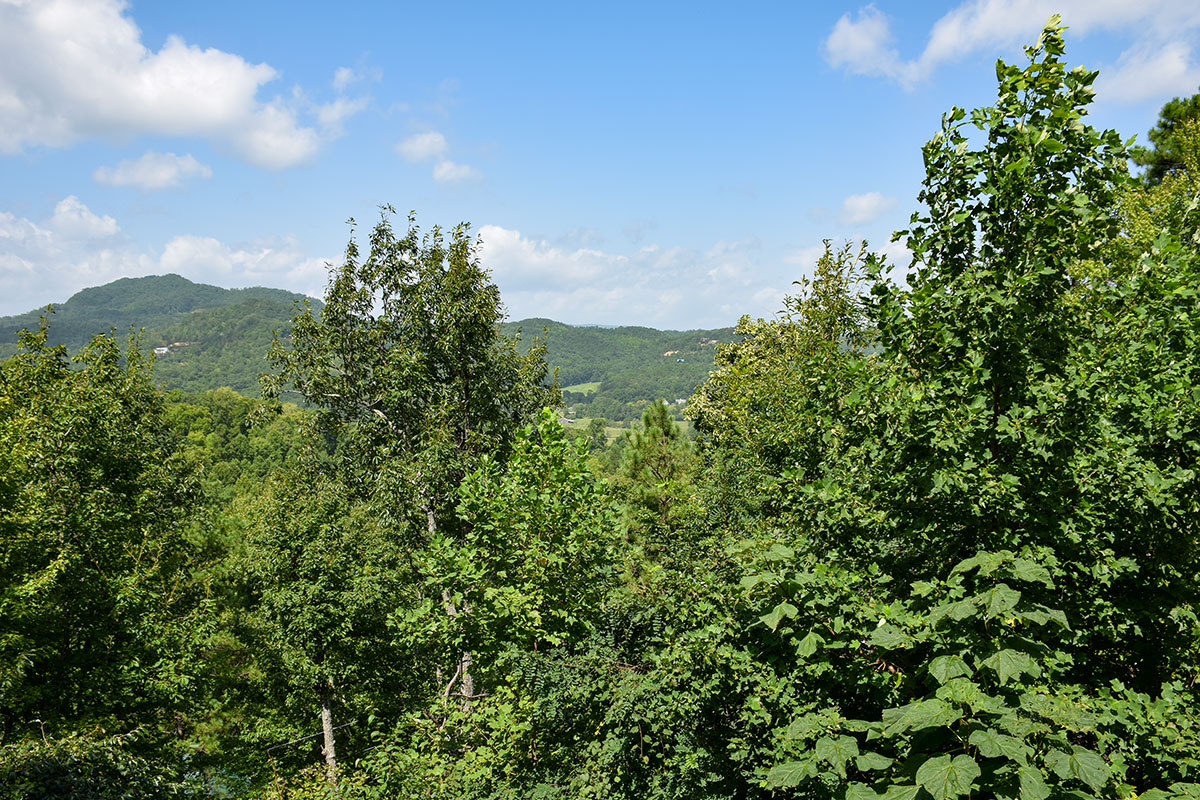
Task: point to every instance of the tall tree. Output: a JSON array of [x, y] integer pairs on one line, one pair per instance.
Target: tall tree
[[414, 384], [93, 556], [1165, 155]]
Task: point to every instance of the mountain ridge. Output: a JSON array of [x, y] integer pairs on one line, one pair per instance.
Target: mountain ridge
[[210, 337]]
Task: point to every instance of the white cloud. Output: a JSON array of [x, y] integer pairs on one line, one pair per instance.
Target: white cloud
[[75, 220], [48, 261], [526, 263], [421, 146], [805, 257], [861, 209], [450, 172], [668, 287], [152, 171], [1150, 72], [275, 261], [1162, 34], [332, 116], [861, 46], [343, 77], [77, 69]]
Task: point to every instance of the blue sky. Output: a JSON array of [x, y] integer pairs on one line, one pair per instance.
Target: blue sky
[[673, 165]]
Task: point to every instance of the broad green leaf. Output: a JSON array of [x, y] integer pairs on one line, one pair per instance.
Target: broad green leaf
[[1025, 570], [1081, 764], [917, 716], [782, 776], [993, 744], [1007, 664], [871, 761], [943, 668], [777, 614], [1153, 794], [809, 644], [1033, 785], [836, 751], [945, 777], [901, 792], [889, 637], [999, 600], [779, 552], [858, 791], [962, 609]]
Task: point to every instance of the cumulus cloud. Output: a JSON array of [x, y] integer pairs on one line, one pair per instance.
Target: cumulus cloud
[[861, 45], [77, 69], [861, 209], [669, 287], [1149, 71], [432, 145], [273, 261], [152, 171], [1163, 36], [450, 172], [421, 146], [526, 263], [49, 260]]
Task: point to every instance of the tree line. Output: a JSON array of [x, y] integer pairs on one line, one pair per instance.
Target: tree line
[[936, 537]]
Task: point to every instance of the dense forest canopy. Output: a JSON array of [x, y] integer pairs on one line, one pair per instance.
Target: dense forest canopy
[[935, 538]]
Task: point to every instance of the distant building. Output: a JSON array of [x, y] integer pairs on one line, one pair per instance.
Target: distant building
[[161, 351]]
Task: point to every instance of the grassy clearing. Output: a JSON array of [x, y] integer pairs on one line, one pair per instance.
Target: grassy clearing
[[583, 388]]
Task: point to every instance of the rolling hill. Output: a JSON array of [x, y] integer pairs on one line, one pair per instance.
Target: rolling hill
[[219, 337]]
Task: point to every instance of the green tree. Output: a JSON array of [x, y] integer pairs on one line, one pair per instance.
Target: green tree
[[1165, 155], [655, 476], [413, 384], [96, 609], [325, 575], [597, 435], [409, 371], [1035, 603]]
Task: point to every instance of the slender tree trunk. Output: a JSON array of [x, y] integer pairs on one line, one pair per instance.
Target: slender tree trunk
[[325, 690], [466, 660]]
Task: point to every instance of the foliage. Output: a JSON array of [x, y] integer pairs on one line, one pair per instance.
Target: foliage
[[631, 366], [235, 441], [93, 550], [995, 455], [84, 768], [218, 335], [323, 577], [654, 479], [774, 403], [934, 539], [1169, 204], [1166, 153], [408, 367]]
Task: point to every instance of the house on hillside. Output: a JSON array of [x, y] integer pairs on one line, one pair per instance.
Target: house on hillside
[[161, 351]]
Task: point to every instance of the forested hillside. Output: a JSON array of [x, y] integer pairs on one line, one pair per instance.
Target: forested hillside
[[217, 337], [936, 538], [614, 372]]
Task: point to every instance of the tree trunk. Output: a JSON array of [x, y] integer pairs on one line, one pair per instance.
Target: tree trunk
[[324, 691], [465, 661]]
